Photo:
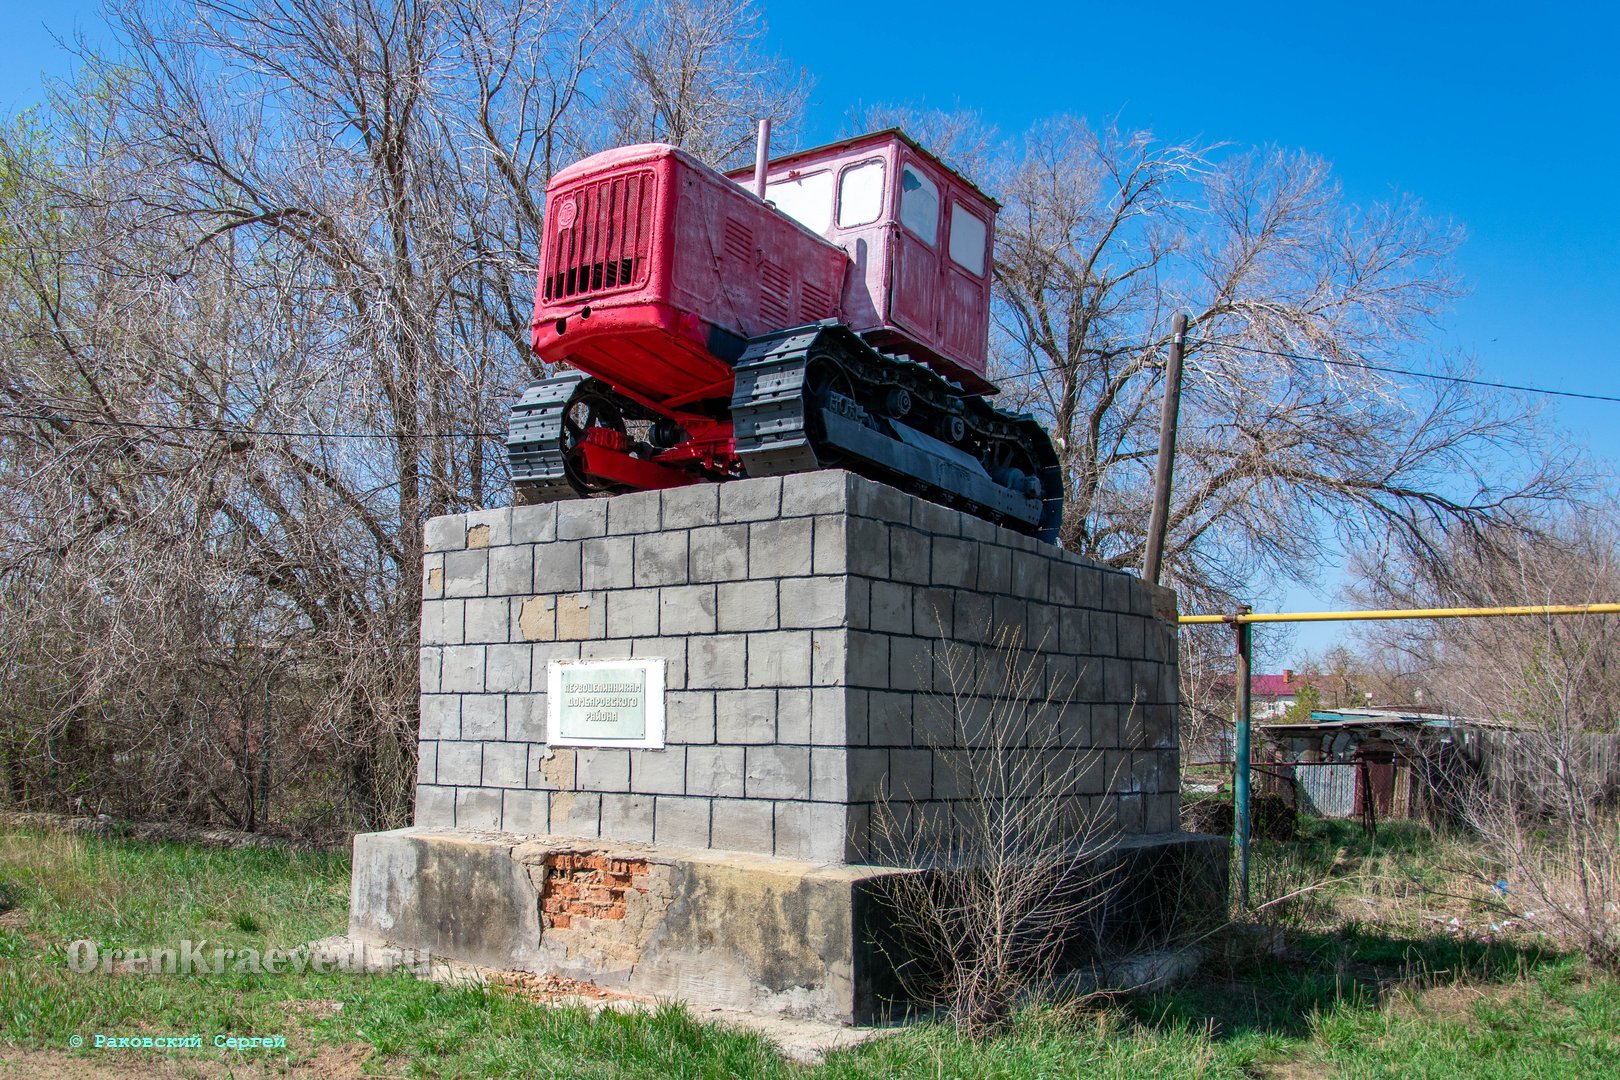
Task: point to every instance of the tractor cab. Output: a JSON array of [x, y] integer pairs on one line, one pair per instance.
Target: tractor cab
[[919, 237]]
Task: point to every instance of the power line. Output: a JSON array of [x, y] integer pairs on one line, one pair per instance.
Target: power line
[[1408, 373], [97, 421]]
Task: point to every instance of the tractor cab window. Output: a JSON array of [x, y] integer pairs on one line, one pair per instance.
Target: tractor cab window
[[860, 194], [806, 199], [968, 236], [919, 205]]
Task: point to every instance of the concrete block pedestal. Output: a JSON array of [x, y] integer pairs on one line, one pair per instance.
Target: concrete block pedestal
[[820, 632]]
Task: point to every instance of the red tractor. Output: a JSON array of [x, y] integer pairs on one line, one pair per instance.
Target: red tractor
[[710, 334]]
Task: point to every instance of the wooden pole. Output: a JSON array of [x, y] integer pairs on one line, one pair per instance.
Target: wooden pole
[[1159, 522]]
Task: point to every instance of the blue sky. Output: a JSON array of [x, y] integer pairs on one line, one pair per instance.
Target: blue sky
[[1504, 122]]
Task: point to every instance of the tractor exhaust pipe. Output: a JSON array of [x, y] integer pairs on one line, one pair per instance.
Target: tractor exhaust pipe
[[762, 156]]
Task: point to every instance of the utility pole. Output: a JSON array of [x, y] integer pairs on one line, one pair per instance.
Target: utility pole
[[1159, 522]]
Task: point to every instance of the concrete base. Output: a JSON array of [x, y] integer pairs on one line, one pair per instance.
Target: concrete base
[[716, 929]]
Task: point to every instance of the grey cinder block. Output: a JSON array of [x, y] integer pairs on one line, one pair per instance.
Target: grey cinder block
[[628, 817], [658, 772], [777, 772], [687, 609], [681, 821], [891, 607], [506, 669], [632, 613], [462, 669], [742, 825], [525, 812], [576, 813], [599, 769], [829, 652], [829, 773], [661, 559], [689, 716], [444, 533], [636, 512], [466, 572], [751, 500], [689, 507], [461, 763], [511, 571], [427, 669], [483, 717], [534, 524], [745, 716], [995, 569], [441, 716], [867, 547], [781, 658], [829, 545], [778, 549], [813, 832], [432, 576], [719, 553], [825, 491], [551, 769], [526, 717], [717, 661], [746, 605], [812, 602], [427, 762], [505, 765], [557, 567], [435, 807], [607, 562], [714, 771], [580, 518], [486, 620], [793, 716], [910, 556]]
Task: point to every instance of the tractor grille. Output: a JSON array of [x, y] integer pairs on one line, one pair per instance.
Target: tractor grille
[[603, 241]]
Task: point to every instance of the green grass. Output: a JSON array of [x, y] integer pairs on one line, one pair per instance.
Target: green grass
[[1352, 997]]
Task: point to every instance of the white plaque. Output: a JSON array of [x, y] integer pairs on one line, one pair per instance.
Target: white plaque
[[605, 703]]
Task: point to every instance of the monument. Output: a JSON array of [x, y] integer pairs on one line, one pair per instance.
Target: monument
[[669, 739]]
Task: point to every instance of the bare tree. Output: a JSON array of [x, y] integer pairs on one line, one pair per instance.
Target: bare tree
[[270, 297], [1017, 867], [1544, 796]]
